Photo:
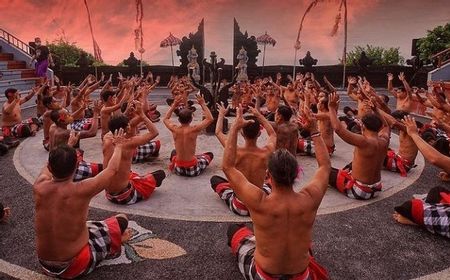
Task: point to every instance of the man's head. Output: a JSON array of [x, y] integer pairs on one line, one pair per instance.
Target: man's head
[[61, 117], [251, 130], [372, 122], [185, 116], [109, 97], [11, 93], [399, 114], [118, 122], [62, 162], [283, 114], [50, 103], [283, 168], [401, 92], [349, 111], [37, 41]]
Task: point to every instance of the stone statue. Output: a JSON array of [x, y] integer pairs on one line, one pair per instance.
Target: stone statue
[[242, 65], [308, 62], [193, 66]]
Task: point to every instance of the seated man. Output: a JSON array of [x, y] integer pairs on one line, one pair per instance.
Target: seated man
[[251, 160], [433, 213], [360, 179], [183, 159], [110, 107], [287, 131], [67, 244], [127, 187], [12, 123], [60, 135], [279, 248]]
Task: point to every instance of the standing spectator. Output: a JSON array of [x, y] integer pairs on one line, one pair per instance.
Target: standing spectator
[[43, 59]]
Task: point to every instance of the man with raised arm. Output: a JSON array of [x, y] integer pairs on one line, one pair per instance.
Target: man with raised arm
[[403, 94], [183, 159], [67, 244], [128, 187], [111, 107], [279, 248], [361, 179], [251, 160], [12, 123], [432, 213]]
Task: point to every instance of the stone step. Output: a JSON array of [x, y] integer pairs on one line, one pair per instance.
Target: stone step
[[6, 56], [15, 74], [13, 64], [19, 84]]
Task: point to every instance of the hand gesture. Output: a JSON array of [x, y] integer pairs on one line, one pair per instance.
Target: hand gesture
[[289, 77], [401, 76], [333, 101], [410, 123], [139, 108], [222, 110], [390, 77], [351, 80], [119, 138], [240, 122], [255, 113], [74, 137], [279, 76], [102, 77], [120, 76], [158, 78], [200, 99], [308, 120]]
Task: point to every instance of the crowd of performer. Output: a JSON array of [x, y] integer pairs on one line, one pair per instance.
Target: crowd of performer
[[300, 116]]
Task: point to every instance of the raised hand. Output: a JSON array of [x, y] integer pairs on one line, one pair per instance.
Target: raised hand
[[255, 112], [309, 121], [158, 78], [390, 77], [119, 137], [200, 99], [333, 101], [401, 76], [222, 110], [98, 104], [410, 123], [73, 138], [240, 122], [351, 80]]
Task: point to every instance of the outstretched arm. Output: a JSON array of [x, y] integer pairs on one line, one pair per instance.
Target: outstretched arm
[[250, 194], [92, 132], [167, 122], [272, 141], [206, 112], [146, 137], [219, 126]]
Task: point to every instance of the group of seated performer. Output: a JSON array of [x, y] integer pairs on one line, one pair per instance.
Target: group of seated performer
[[299, 117]]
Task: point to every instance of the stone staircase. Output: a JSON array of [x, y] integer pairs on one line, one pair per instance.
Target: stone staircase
[[14, 74]]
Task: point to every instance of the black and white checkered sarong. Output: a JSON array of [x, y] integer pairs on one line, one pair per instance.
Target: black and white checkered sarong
[[436, 218], [192, 171], [143, 152], [83, 124]]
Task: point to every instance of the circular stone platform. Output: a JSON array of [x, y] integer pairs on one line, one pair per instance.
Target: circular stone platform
[[192, 198]]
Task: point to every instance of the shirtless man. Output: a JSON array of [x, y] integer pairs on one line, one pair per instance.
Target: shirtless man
[[290, 96], [127, 187], [67, 244], [403, 95], [403, 161], [286, 131], [283, 220], [110, 107], [433, 213], [80, 100], [362, 178], [60, 135], [12, 123], [251, 160], [183, 159]]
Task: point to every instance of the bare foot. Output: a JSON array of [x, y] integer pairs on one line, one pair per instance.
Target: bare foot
[[126, 235], [444, 176], [403, 220], [6, 214]]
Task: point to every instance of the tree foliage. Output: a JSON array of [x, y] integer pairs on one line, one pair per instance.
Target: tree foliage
[[436, 41], [379, 55], [66, 52]]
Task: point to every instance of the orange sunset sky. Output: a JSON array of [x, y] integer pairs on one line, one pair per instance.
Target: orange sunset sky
[[388, 23]]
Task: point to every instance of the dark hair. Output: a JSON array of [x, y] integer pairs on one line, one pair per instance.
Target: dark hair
[[47, 101], [62, 161], [283, 167], [25, 130], [313, 108], [54, 116], [107, 94], [399, 114], [372, 122], [386, 98], [124, 106], [442, 145], [118, 122], [285, 112], [251, 130], [348, 109], [10, 90], [185, 116]]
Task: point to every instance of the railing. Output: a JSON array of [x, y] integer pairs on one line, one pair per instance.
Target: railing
[[443, 57]]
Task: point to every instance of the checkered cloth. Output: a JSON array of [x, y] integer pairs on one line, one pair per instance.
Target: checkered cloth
[[85, 169], [144, 152], [192, 168], [352, 188], [227, 194], [243, 245], [305, 147], [104, 243], [395, 163], [138, 189], [83, 124], [16, 130], [436, 218]]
